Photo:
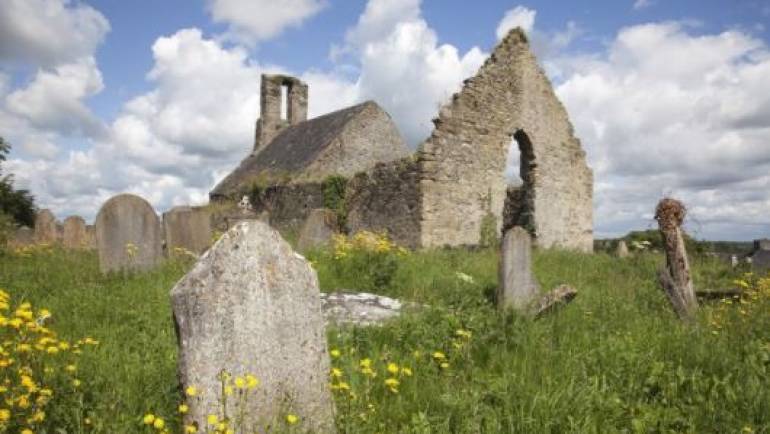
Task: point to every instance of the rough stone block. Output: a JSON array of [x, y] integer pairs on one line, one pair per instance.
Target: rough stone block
[[518, 286], [74, 233], [128, 234], [187, 228], [318, 229], [45, 228], [251, 305]]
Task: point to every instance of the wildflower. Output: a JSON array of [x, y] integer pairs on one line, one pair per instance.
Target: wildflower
[[5, 415], [392, 384], [70, 368], [463, 334], [464, 277], [444, 365], [23, 402], [191, 391], [190, 429], [393, 368], [159, 423], [76, 383], [228, 390], [251, 381], [39, 416], [406, 371], [365, 363], [335, 353], [148, 419], [27, 431], [438, 355], [183, 408], [336, 373], [240, 382], [291, 419], [212, 419]]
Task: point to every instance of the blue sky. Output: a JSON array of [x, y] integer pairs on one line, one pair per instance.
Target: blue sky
[[160, 98]]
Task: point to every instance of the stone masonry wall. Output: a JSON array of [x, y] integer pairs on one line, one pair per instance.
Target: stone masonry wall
[[289, 205], [354, 150], [463, 161], [387, 198]]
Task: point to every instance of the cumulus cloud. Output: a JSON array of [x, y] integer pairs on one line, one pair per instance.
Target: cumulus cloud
[[251, 21], [641, 4], [668, 111], [53, 101], [49, 32], [403, 67], [519, 16]]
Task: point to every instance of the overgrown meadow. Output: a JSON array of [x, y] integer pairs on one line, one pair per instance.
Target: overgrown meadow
[[614, 360]]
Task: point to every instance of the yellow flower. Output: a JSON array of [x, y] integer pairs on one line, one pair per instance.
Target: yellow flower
[[23, 402], [5, 415], [240, 382], [393, 368], [190, 429], [52, 350], [70, 368], [228, 390], [159, 423], [148, 419], [183, 408], [191, 391], [406, 371], [291, 419], [76, 382], [212, 419], [444, 365], [438, 355], [251, 381], [335, 353], [365, 363], [39, 416], [336, 373], [27, 431], [392, 384], [24, 348]]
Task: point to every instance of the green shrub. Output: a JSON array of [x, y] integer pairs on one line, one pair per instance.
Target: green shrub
[[334, 188]]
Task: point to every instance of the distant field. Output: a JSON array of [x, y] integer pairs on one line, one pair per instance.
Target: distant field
[[614, 360]]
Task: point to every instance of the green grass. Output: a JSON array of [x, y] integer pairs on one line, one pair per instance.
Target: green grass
[[614, 360]]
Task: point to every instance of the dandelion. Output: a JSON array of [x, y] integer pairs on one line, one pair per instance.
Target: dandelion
[[406, 371], [240, 382], [291, 419], [148, 419], [183, 408], [212, 419], [336, 373], [159, 423], [335, 353], [444, 365], [190, 429], [191, 391], [251, 381], [5, 415], [438, 355], [392, 384], [393, 368]]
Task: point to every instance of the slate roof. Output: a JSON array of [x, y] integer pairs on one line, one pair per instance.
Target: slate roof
[[293, 149]]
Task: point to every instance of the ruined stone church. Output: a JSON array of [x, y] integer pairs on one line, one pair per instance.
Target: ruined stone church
[[453, 188]]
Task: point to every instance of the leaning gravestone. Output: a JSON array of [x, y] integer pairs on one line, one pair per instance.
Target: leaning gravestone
[[518, 286], [622, 250], [251, 305], [318, 229], [187, 228], [74, 233], [127, 234], [46, 231]]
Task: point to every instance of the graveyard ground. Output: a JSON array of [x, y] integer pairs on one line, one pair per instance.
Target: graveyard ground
[[614, 360]]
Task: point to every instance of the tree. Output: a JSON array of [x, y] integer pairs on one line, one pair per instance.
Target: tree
[[18, 204]]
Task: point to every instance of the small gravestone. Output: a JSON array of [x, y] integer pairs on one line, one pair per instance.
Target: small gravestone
[[127, 234], [319, 227], [74, 233], [23, 236], [251, 305], [46, 231], [518, 287], [187, 229], [622, 250], [90, 236]]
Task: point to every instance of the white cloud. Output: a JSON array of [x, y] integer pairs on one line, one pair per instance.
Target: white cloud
[[49, 32], [641, 4], [255, 20], [665, 111], [519, 16], [403, 67], [53, 101]]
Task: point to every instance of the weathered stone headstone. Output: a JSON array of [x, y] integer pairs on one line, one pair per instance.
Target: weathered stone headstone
[[318, 229], [187, 228], [622, 250], [128, 234], [23, 236], [517, 287], [91, 236], [45, 227], [74, 233], [252, 305]]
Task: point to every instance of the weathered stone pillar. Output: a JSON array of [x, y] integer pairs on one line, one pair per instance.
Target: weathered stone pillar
[[517, 285], [675, 277]]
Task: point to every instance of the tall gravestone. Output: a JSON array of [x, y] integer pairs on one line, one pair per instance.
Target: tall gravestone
[[45, 227], [517, 287], [622, 249], [187, 228], [74, 233], [128, 234], [318, 229], [251, 305]]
